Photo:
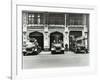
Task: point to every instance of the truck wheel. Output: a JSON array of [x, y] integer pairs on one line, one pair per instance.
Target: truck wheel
[[24, 53], [52, 52], [39, 50], [35, 53], [62, 52]]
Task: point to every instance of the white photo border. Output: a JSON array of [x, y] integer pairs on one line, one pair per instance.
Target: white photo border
[[18, 72]]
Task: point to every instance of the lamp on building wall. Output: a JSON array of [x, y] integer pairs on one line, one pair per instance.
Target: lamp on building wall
[[46, 29], [66, 30]]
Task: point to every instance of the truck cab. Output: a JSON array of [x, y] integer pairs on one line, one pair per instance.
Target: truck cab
[[57, 47]]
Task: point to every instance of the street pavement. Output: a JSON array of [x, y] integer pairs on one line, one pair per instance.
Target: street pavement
[[47, 60]]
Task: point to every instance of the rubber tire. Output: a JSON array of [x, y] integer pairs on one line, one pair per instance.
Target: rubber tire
[[62, 52], [52, 52]]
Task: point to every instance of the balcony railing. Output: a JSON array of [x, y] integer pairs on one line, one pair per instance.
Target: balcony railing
[[76, 25], [51, 25], [35, 26]]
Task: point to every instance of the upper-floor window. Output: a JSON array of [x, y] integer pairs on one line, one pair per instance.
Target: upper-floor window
[[75, 19], [56, 18], [30, 18], [35, 18]]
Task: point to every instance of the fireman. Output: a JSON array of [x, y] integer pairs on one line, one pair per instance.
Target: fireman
[[53, 43], [60, 41], [36, 43]]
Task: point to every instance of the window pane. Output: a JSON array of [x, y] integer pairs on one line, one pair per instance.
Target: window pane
[[76, 19]]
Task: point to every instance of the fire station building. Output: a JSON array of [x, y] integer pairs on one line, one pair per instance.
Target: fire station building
[[47, 26]]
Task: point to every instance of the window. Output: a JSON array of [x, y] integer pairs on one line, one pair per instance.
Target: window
[[56, 18], [30, 18], [35, 18], [76, 19]]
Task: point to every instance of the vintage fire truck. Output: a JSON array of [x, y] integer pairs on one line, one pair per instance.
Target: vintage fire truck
[[80, 45], [31, 48], [57, 47]]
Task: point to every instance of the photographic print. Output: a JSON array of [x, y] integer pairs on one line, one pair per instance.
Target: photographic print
[[54, 39]]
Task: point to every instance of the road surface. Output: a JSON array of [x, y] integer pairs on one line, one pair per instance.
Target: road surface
[[46, 60]]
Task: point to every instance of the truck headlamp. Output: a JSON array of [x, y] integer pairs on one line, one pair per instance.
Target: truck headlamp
[[52, 48], [35, 49], [62, 49]]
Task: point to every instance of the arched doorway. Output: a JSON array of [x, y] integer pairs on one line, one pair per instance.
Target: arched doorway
[[39, 37], [72, 36], [55, 36]]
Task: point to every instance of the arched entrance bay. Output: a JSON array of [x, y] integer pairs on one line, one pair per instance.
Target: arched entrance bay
[[39, 37], [72, 36], [55, 36]]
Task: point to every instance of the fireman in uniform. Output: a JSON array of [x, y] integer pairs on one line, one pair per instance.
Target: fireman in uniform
[[53, 43]]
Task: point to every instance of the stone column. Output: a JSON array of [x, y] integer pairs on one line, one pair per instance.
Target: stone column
[[86, 40], [24, 27], [66, 39], [46, 39], [66, 34], [86, 36], [84, 26]]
